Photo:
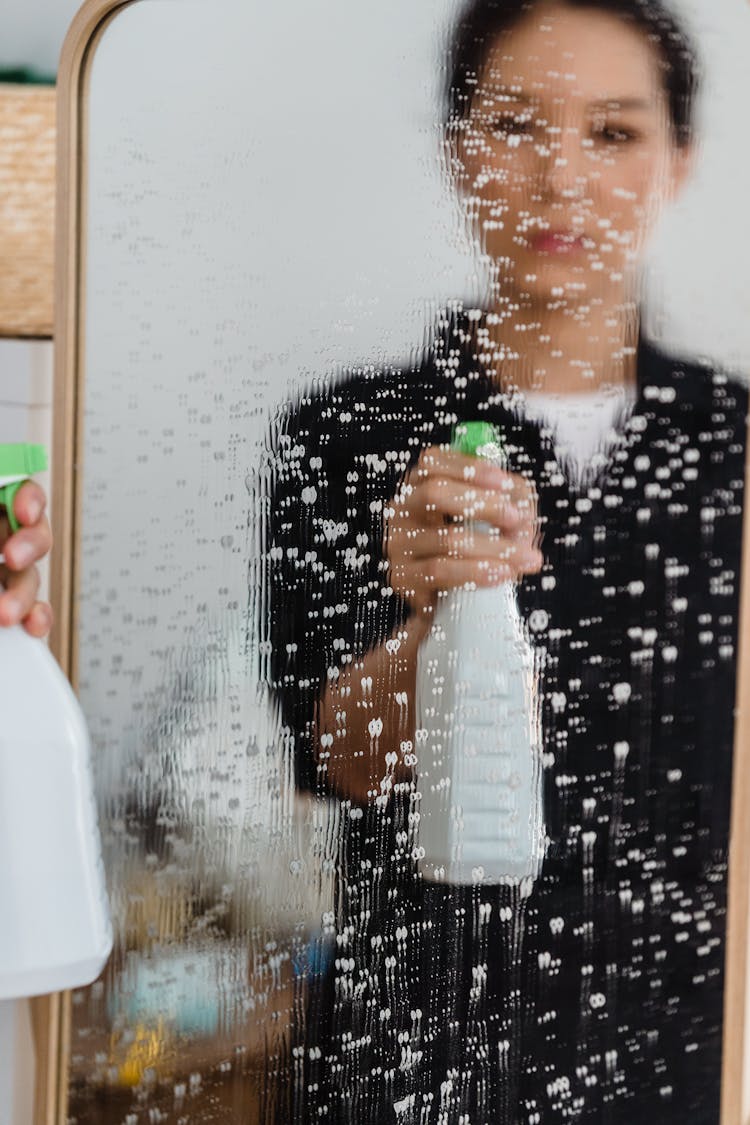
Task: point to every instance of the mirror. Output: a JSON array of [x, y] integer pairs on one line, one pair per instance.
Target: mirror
[[401, 354]]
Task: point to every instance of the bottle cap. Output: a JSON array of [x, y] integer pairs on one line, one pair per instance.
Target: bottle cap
[[19, 460], [471, 437]]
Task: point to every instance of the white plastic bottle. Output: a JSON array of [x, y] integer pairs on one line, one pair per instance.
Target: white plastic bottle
[[479, 742], [55, 930]]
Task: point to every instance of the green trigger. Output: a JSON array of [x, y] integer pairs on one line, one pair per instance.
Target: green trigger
[[7, 497]]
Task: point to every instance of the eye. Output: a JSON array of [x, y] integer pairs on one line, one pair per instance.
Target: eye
[[612, 134], [511, 126]]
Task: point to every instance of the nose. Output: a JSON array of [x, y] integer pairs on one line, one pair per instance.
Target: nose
[[564, 166]]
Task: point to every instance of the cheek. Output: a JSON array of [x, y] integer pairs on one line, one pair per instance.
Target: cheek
[[627, 190], [500, 180]]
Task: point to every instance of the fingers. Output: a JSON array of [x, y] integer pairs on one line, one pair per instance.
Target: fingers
[[33, 540], [438, 499], [462, 541], [21, 551], [446, 485], [29, 503], [28, 545], [433, 539], [452, 511], [473, 471], [419, 580], [433, 575], [20, 594], [39, 622], [434, 461]]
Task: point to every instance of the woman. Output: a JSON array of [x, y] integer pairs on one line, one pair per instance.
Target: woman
[[597, 993]]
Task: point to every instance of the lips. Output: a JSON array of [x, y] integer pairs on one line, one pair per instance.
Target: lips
[[559, 242]]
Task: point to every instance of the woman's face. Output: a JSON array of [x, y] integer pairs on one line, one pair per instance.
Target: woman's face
[[567, 153]]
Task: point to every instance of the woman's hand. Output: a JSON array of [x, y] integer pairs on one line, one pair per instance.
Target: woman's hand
[[430, 548], [430, 545], [22, 550]]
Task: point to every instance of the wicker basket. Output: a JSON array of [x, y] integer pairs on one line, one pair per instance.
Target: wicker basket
[[27, 210]]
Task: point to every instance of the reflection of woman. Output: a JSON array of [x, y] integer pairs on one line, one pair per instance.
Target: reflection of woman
[[599, 995]]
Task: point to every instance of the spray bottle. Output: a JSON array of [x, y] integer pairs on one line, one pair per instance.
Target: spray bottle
[[479, 743], [55, 930]]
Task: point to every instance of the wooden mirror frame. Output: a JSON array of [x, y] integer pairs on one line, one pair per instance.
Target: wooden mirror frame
[[51, 1015]]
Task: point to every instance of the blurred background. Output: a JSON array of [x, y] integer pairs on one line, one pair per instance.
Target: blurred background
[[33, 32]]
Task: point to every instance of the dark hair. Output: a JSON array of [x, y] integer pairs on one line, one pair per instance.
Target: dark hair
[[482, 20]]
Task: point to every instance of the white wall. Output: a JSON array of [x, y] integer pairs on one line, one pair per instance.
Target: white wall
[[33, 31]]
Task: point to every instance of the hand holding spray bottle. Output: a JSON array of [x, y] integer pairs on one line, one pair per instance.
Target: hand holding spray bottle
[[55, 930], [480, 758]]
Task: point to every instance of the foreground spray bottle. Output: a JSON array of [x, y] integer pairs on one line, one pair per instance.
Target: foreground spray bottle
[[479, 742], [55, 930]]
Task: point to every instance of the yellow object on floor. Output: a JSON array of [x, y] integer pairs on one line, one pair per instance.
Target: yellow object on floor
[[151, 1051]]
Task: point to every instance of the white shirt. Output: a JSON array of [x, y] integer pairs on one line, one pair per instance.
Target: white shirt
[[584, 426]]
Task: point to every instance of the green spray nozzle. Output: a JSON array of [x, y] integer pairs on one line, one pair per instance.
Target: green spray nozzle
[[17, 463], [472, 438]]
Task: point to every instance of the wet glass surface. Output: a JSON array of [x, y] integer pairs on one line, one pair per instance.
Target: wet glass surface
[[413, 740]]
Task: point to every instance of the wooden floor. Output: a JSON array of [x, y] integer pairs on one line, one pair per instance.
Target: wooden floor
[[240, 1078], [221, 1099]]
